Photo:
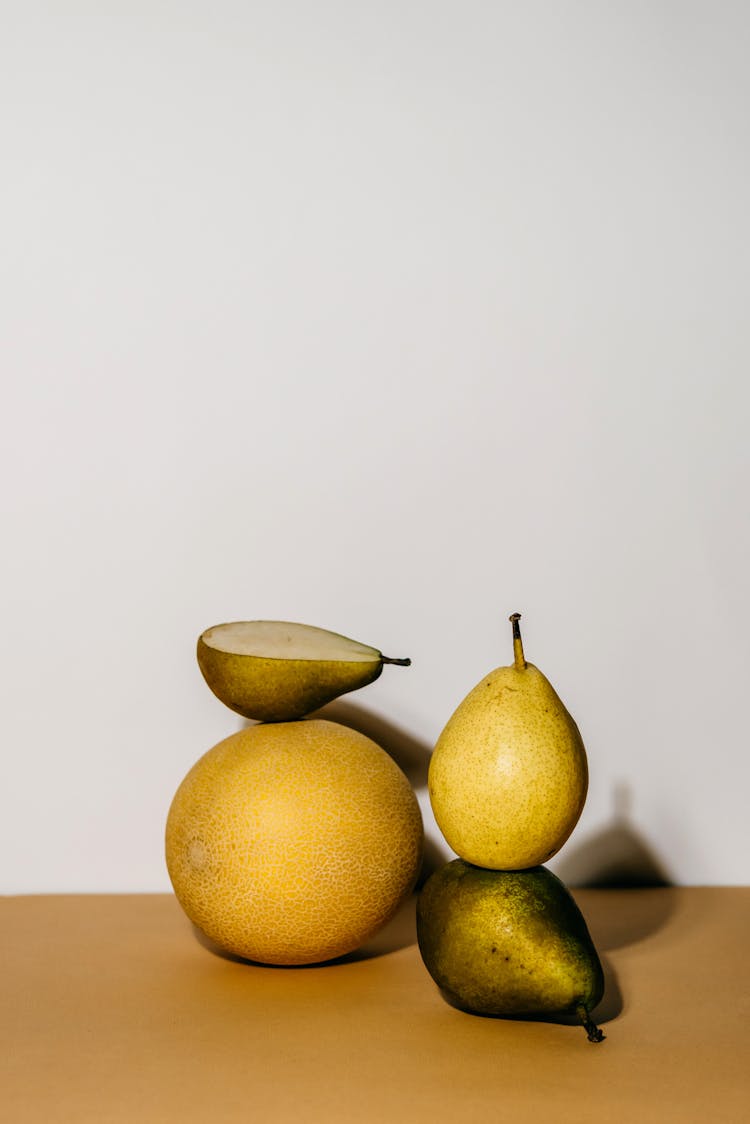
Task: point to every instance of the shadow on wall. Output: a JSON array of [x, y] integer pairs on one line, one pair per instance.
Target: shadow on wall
[[411, 755], [641, 896], [616, 856]]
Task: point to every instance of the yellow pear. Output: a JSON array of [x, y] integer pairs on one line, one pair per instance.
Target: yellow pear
[[278, 671], [508, 776]]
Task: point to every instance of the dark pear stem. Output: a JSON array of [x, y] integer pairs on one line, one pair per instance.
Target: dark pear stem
[[593, 1033], [399, 663], [518, 655]]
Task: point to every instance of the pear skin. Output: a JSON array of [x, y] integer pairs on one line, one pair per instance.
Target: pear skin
[[510, 943], [508, 776], [279, 671]]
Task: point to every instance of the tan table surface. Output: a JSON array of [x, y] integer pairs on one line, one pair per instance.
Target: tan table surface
[[111, 1010]]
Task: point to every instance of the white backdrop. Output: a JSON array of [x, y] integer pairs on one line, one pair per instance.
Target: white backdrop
[[391, 318]]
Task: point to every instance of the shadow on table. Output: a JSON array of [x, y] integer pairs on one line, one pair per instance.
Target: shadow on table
[[400, 932]]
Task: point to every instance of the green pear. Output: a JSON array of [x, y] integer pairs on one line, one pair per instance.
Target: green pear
[[508, 776], [508, 943], [276, 671]]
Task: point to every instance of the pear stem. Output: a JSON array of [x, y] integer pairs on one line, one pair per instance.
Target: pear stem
[[399, 663], [514, 618], [593, 1033]]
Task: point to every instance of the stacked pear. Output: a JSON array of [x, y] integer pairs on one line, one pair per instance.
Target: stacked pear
[[278, 671], [295, 839], [499, 933]]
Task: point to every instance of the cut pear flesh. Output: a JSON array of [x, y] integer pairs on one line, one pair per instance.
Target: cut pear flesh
[[281, 640], [278, 671]]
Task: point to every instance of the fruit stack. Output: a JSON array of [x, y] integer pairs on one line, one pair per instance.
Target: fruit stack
[[293, 840], [499, 933]]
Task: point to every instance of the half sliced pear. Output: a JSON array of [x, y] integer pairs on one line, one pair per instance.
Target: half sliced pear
[[277, 671]]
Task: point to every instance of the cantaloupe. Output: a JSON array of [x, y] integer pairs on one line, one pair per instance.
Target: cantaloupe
[[293, 842]]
